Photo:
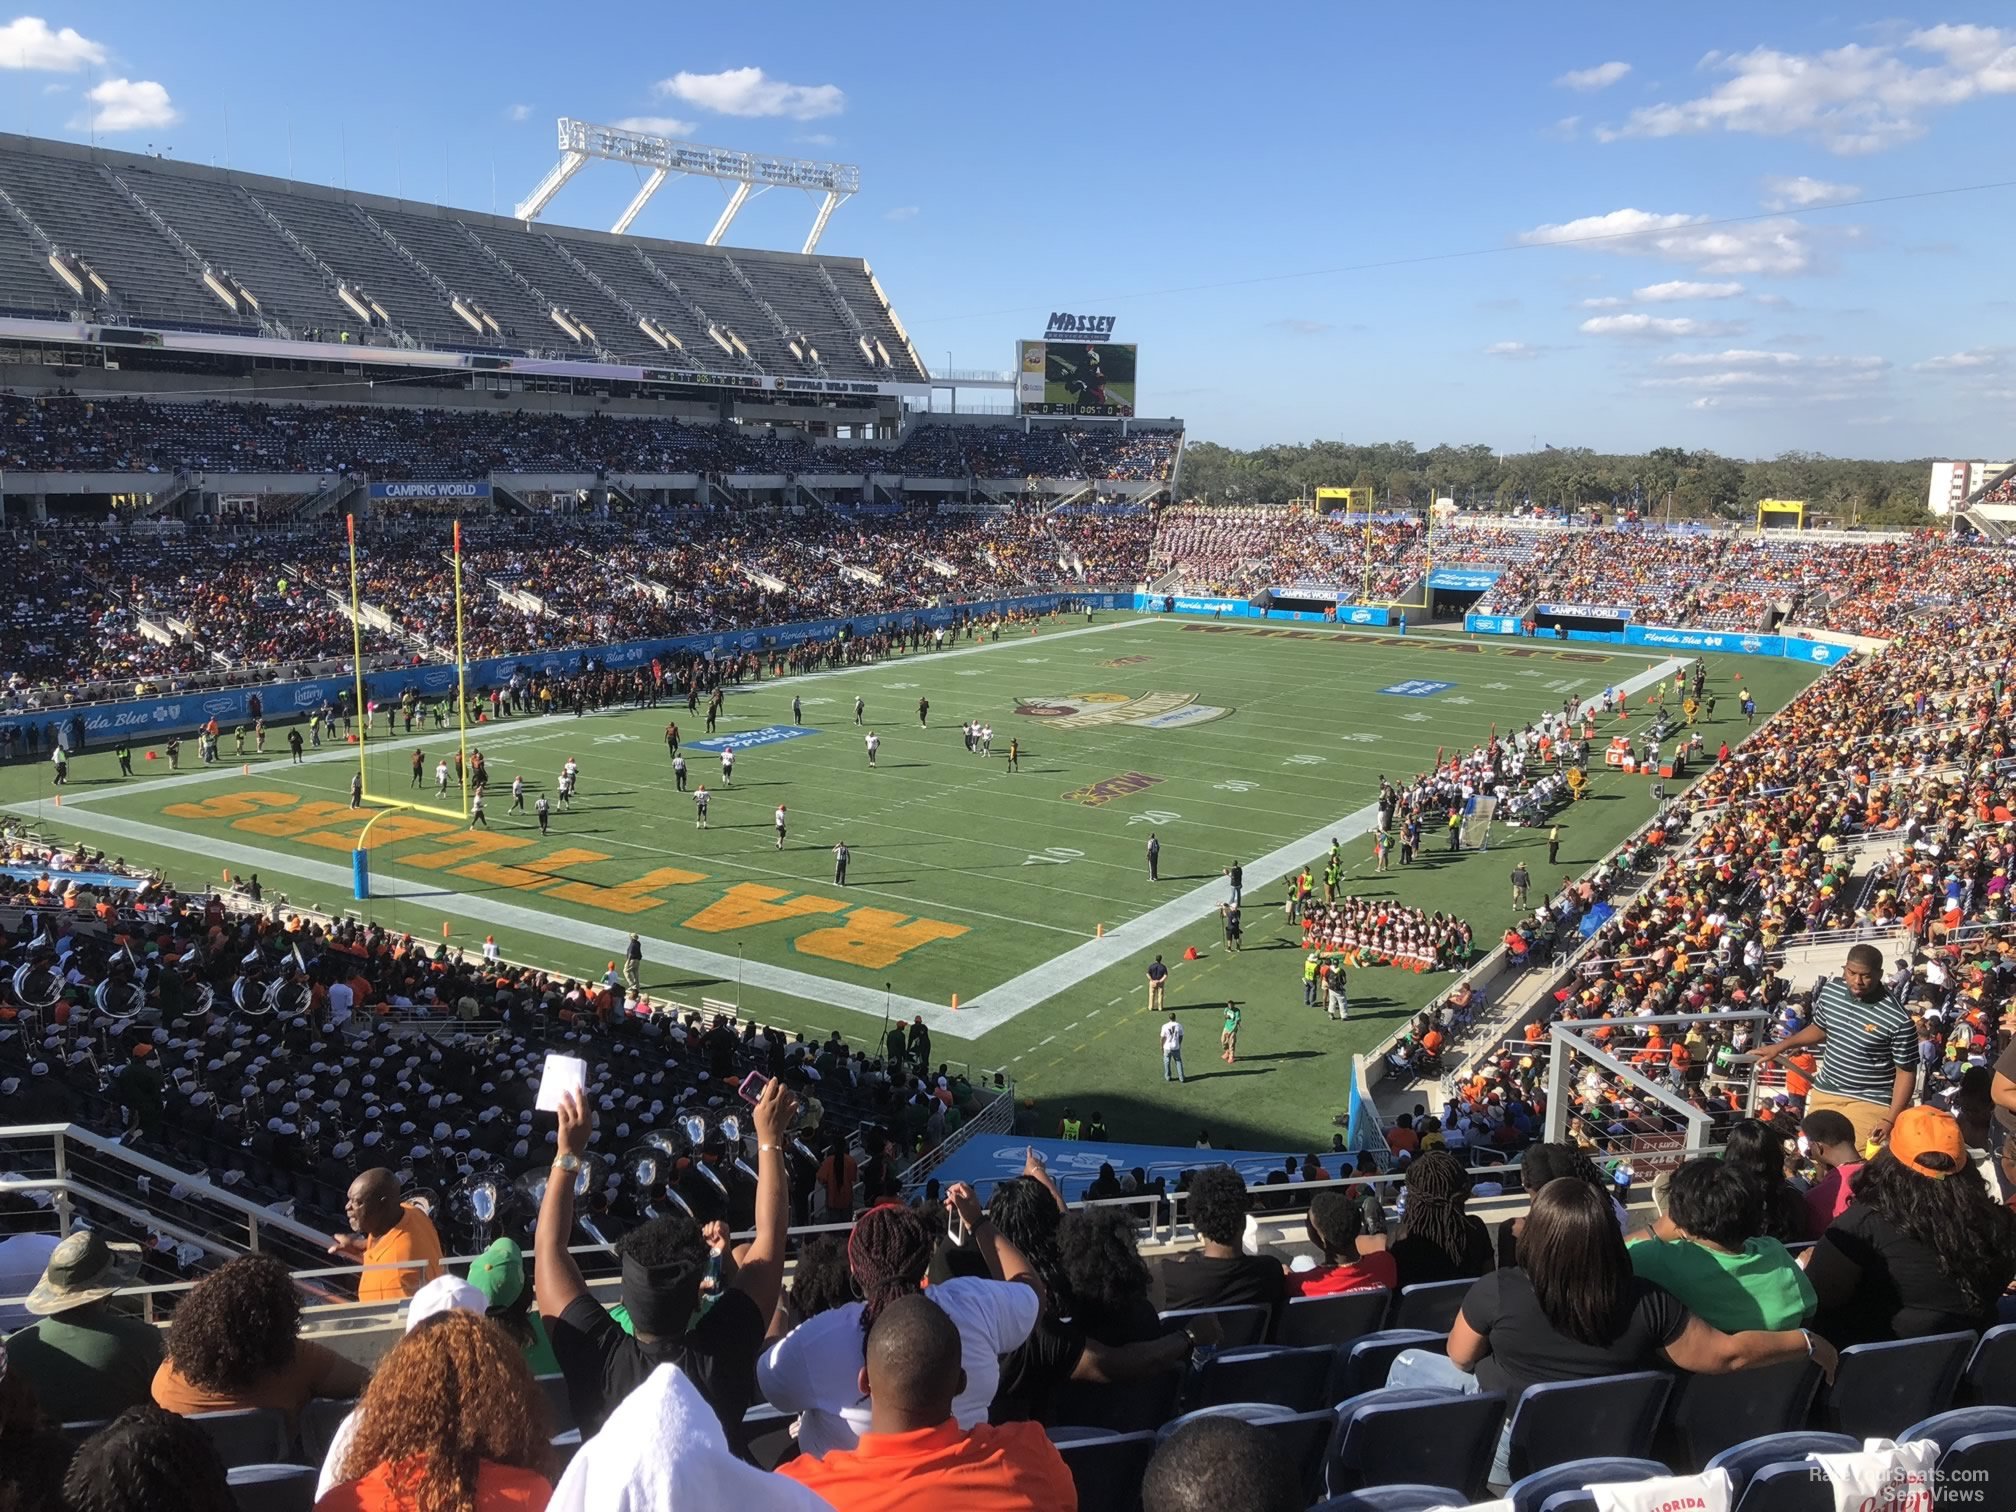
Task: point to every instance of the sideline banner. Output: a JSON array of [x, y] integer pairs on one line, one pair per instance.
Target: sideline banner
[[96, 726], [986, 1159]]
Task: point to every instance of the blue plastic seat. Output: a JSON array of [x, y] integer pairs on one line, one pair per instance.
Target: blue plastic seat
[[1560, 1488], [767, 1433], [1107, 1470], [1947, 1428], [1392, 1499], [1290, 1378], [273, 1488], [1990, 1378], [559, 1407], [1332, 1320], [1610, 1417], [1880, 1389], [1414, 1435], [246, 1436], [1710, 1413], [1789, 1486], [1977, 1454], [1302, 1438], [1362, 1365], [1745, 1460], [1432, 1305], [1241, 1326], [1246, 1412], [320, 1421]]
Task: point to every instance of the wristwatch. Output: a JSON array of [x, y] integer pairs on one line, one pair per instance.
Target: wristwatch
[[568, 1163]]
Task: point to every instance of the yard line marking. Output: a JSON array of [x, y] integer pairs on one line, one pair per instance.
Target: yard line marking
[[999, 1005]]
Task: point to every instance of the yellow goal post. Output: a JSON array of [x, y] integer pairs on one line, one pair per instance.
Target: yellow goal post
[[375, 795]]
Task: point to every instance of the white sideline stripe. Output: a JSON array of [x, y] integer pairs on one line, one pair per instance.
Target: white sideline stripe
[[998, 1005]]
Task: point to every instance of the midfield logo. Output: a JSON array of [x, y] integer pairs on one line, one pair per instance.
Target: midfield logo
[[1091, 711]]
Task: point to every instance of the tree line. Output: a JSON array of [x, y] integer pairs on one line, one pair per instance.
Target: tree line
[[1700, 485]]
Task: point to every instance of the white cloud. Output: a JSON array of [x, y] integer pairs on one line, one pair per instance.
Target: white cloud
[[27, 42], [519, 112], [1852, 99], [1605, 302], [750, 92], [1803, 193], [1657, 327], [1602, 76], [1731, 358], [900, 213], [818, 139], [1565, 129], [128, 105], [1961, 362], [1517, 350], [665, 126], [1775, 244], [1811, 376], [1680, 288]]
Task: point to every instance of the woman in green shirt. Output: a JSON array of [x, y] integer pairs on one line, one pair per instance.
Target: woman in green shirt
[[1708, 1252]]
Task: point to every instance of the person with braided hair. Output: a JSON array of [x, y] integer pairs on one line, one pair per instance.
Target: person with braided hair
[[1438, 1240], [1029, 1210], [147, 1460], [815, 1369]]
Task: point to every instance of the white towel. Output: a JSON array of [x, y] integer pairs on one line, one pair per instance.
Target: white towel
[[662, 1450]]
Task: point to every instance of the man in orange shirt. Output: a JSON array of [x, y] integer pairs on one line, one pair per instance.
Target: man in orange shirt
[[388, 1232], [915, 1454]]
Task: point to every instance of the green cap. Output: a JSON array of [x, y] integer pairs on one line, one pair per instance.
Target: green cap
[[499, 1272]]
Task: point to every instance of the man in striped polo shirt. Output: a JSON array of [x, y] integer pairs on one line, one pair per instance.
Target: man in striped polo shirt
[[1868, 1048]]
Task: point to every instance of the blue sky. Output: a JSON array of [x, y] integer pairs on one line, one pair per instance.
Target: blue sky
[[1614, 226]]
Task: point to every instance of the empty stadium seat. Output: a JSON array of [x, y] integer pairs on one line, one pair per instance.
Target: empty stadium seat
[[273, 1488], [1746, 1459], [1709, 1413], [1560, 1488], [1432, 1305], [248, 1436], [1107, 1470], [1977, 1454], [1559, 1421], [565, 1447], [1291, 1378], [1879, 1389], [1990, 1378], [320, 1420], [1332, 1320], [1408, 1434], [1302, 1439], [1787, 1486], [768, 1435], [1241, 1326], [1363, 1363], [1392, 1499]]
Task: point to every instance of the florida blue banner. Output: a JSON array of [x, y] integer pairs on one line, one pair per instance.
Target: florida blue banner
[[95, 726], [1462, 579], [990, 1158]]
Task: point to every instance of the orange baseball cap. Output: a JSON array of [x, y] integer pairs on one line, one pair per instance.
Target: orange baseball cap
[[1921, 1131]]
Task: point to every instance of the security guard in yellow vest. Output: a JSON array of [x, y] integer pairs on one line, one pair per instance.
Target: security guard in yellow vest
[[1070, 1128]]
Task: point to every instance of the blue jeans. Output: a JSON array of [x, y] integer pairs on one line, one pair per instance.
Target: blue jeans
[[1174, 1059], [1422, 1367]]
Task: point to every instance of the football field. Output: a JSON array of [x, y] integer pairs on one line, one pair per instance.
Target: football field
[[1024, 893]]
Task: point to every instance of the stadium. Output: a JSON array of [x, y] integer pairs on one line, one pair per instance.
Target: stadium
[[548, 769]]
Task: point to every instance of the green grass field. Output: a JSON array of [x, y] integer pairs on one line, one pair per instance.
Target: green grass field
[[966, 878]]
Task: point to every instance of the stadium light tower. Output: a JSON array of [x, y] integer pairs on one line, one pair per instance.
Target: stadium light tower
[[750, 173]]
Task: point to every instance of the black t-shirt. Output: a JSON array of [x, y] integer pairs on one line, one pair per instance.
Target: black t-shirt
[[1526, 1348], [603, 1364], [1877, 1283], [2006, 1066], [1198, 1280], [1418, 1260], [1033, 1374]]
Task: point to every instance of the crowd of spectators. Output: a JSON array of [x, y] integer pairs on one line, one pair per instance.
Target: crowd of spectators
[[68, 433]]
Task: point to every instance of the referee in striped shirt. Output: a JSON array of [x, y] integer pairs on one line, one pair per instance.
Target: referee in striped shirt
[[1869, 1048]]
